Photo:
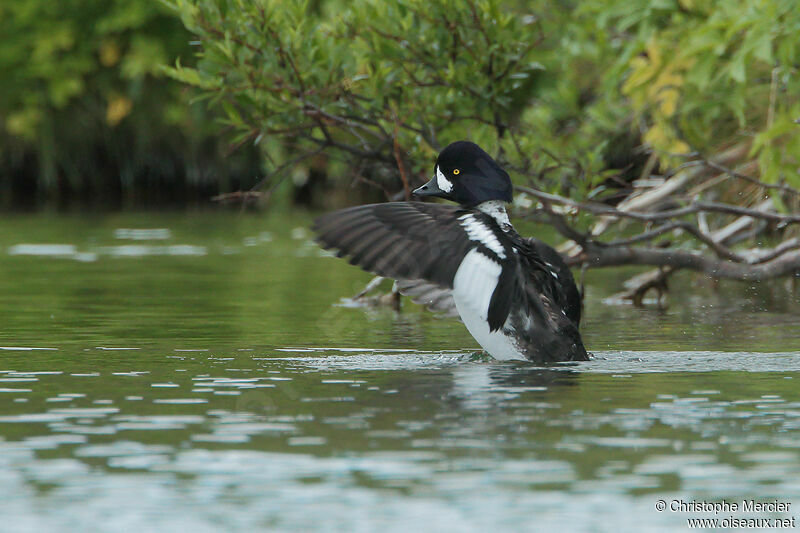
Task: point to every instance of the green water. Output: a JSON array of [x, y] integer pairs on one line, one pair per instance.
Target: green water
[[202, 372]]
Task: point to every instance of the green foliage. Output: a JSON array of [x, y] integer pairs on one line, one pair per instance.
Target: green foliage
[[564, 94], [84, 106], [371, 83], [560, 92], [57, 52], [703, 73]]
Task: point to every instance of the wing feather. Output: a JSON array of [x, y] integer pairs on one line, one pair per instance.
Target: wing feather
[[400, 240]]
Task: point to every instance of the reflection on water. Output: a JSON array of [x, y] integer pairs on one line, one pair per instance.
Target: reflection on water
[[227, 391], [143, 234], [70, 251], [375, 438]]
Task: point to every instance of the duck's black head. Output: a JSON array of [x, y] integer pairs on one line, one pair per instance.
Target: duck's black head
[[464, 173]]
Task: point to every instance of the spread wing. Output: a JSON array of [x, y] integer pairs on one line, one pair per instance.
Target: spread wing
[[431, 295], [400, 240]]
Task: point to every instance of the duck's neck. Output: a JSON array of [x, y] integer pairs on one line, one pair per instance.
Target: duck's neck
[[497, 210]]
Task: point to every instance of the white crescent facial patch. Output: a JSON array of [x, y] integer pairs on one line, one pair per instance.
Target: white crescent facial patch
[[442, 182]]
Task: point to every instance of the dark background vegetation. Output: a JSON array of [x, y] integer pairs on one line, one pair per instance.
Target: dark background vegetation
[[87, 118]]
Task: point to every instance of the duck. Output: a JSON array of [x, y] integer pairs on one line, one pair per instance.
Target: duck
[[516, 296]]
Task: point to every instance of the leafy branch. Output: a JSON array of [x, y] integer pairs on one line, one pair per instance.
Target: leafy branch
[[649, 135]]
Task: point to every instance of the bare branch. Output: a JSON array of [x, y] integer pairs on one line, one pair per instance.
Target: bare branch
[[786, 264], [401, 168], [559, 223], [738, 175], [694, 207], [768, 255], [706, 239]]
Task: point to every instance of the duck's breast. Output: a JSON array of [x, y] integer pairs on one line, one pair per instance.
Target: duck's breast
[[473, 286]]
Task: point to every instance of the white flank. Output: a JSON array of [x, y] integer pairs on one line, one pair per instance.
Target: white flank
[[477, 231], [497, 210], [475, 281], [473, 286], [442, 182]]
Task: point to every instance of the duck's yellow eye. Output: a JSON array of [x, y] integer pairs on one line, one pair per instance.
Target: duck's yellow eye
[[456, 172]]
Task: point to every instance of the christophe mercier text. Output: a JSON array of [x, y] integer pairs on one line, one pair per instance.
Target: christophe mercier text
[[748, 506]]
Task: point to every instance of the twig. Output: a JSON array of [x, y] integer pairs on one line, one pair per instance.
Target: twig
[[694, 207], [560, 224], [738, 175], [284, 167], [401, 167], [369, 287], [238, 196], [638, 286], [782, 248], [786, 264], [773, 86]]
